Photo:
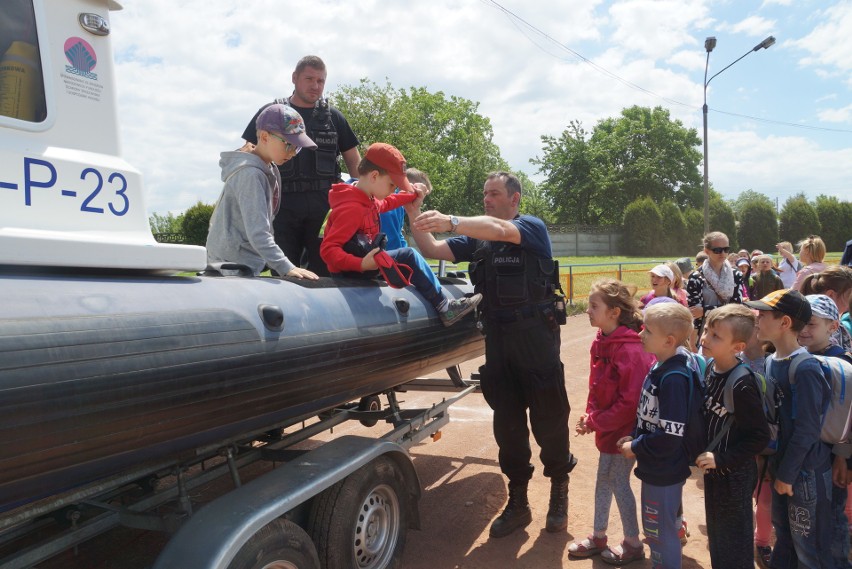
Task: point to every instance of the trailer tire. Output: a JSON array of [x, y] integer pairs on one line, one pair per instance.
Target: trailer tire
[[361, 521], [280, 544], [370, 403]]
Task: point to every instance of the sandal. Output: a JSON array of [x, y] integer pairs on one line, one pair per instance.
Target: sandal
[[623, 554], [590, 546], [762, 554]]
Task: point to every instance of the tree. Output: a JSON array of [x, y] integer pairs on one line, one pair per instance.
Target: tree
[[445, 137], [168, 223], [835, 219], [641, 228], [672, 234], [747, 197], [534, 201], [722, 218], [196, 223], [798, 219], [758, 225], [642, 153], [694, 221]]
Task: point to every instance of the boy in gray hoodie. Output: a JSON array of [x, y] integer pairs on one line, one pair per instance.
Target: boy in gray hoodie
[[241, 225]]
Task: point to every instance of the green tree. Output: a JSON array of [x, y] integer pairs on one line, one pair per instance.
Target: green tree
[[835, 219], [722, 218], [758, 225], [798, 219], [446, 137], [747, 197], [641, 228], [672, 234], [196, 223], [168, 223], [534, 201], [567, 166], [694, 221]]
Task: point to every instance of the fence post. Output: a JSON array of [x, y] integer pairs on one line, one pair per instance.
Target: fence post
[[571, 285], [619, 271]]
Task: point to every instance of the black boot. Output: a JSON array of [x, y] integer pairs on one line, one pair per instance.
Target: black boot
[[557, 513], [517, 513]]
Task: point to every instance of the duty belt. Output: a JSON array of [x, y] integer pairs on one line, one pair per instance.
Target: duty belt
[[509, 315], [294, 186]]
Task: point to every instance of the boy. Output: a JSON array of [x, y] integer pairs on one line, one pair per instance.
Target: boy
[[662, 463], [764, 280], [355, 210], [241, 224], [730, 471], [391, 221], [801, 504]]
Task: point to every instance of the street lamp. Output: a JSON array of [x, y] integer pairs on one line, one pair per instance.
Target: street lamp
[[709, 44]]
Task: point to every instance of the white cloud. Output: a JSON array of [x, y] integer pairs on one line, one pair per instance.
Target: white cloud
[[829, 44], [754, 26], [841, 115]]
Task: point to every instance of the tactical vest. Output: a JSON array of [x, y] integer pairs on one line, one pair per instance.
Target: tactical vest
[[509, 277], [313, 170]]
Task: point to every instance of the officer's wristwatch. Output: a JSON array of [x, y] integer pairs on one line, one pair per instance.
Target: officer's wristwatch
[[454, 223]]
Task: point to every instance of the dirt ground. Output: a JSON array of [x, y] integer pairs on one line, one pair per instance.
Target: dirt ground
[[463, 490]]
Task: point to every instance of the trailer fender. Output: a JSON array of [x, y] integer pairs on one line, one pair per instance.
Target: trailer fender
[[214, 535]]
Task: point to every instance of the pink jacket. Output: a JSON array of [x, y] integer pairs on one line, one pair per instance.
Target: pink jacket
[[617, 369]]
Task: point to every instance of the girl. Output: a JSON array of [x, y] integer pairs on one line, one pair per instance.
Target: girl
[[811, 254], [789, 265], [677, 284], [617, 369], [662, 278]]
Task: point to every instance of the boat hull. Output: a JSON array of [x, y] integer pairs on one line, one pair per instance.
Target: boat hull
[[99, 374]]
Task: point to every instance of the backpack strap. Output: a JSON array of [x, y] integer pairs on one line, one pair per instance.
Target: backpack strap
[[739, 371], [791, 375]]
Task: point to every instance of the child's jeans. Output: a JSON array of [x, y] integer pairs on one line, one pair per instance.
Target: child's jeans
[[659, 523], [422, 277], [727, 507], [802, 522], [840, 523]]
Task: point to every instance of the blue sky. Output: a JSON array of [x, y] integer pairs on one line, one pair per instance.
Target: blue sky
[[191, 74]]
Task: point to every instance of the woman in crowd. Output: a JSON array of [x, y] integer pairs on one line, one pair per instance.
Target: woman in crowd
[[811, 254]]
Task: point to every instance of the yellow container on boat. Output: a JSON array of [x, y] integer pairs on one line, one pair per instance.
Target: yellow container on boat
[[20, 82]]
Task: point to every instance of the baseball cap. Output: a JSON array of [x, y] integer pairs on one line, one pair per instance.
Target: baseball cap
[[823, 306], [286, 122], [663, 271], [743, 261], [658, 300], [786, 301], [684, 264], [391, 160]]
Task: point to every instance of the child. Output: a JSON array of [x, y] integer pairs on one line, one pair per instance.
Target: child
[[617, 369], [789, 265], [801, 505], [754, 356], [662, 462], [677, 284], [661, 283], [241, 224], [391, 221], [730, 471], [764, 280], [745, 268], [836, 283], [355, 210]]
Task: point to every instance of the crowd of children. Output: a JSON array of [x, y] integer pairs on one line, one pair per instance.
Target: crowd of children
[[764, 399]]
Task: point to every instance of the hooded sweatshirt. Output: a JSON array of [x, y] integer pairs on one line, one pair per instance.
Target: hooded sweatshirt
[[241, 225], [353, 211], [616, 371]]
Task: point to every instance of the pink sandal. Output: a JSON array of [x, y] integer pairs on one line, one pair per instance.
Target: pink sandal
[[590, 546], [623, 554]]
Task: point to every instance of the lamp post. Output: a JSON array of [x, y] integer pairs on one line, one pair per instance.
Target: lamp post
[[709, 44]]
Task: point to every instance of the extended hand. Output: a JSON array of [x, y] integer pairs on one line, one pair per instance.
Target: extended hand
[[300, 273], [433, 222]]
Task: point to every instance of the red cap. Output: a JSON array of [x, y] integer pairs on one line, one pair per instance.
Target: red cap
[[391, 160]]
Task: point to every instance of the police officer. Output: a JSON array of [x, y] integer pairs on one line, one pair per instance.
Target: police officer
[[512, 266], [307, 178]]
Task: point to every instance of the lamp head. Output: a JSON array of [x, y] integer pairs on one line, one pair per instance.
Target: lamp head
[[765, 44], [710, 43]]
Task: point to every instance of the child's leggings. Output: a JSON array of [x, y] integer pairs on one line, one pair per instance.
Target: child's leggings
[[614, 480]]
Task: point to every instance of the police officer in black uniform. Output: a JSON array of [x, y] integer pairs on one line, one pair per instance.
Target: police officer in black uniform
[[512, 266], [307, 178]]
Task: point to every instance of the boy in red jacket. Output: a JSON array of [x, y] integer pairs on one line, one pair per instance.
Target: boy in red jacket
[[354, 219]]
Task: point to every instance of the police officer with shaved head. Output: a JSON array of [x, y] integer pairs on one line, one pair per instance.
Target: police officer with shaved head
[[511, 264]]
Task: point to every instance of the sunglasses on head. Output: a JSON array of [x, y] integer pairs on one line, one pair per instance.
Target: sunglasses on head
[[720, 250]]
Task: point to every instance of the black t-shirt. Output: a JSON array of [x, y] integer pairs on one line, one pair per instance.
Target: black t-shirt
[[346, 138]]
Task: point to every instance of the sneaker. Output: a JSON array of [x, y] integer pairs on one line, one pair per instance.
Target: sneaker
[[623, 554], [762, 553], [683, 533], [458, 308], [590, 546]]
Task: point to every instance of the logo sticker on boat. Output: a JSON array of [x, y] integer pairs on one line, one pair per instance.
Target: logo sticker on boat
[[79, 78]]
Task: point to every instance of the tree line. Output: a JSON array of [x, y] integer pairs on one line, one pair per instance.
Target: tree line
[[639, 172]]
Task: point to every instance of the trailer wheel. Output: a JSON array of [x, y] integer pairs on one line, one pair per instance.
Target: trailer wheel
[[360, 522], [370, 403], [280, 544]]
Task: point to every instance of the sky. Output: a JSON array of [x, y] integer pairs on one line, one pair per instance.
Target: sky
[[191, 74]]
